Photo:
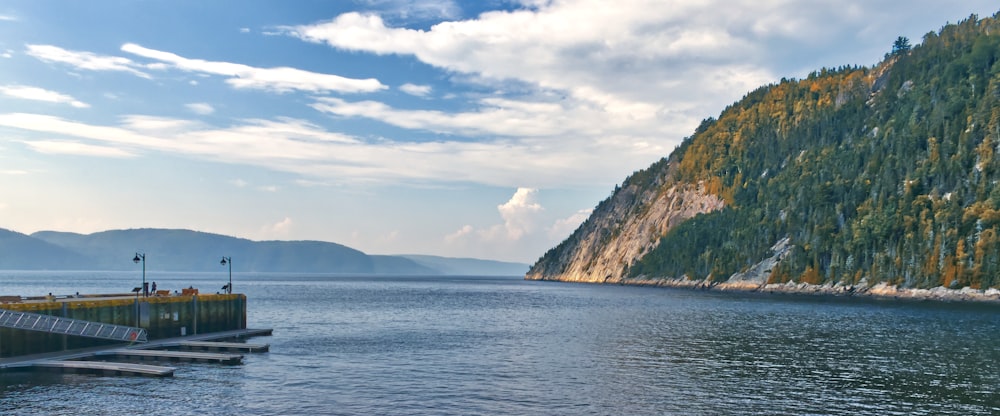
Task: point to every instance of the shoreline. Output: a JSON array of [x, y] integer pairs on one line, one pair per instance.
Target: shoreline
[[878, 291], [861, 291]]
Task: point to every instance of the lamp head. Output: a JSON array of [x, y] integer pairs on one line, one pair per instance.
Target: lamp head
[[136, 258], [223, 262]]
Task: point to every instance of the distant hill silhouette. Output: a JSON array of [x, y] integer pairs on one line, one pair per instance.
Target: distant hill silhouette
[[457, 266], [22, 252], [187, 250]]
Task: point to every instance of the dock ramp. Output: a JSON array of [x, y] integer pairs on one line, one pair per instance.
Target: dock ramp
[[54, 324]]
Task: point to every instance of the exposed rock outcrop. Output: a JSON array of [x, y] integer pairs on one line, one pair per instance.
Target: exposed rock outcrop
[[629, 224], [872, 181]]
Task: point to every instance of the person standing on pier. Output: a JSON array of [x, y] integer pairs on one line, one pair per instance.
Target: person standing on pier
[[153, 289]]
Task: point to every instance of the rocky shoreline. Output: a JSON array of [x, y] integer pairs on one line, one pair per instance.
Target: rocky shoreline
[[879, 291]]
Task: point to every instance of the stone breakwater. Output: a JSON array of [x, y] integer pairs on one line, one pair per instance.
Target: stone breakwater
[[881, 290]]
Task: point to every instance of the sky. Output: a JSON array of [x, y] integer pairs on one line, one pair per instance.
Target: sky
[[486, 129]]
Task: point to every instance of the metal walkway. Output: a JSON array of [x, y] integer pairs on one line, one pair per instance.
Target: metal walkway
[[54, 324]]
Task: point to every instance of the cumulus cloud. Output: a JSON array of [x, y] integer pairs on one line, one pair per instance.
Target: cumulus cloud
[[278, 229], [563, 227], [39, 94], [279, 79], [520, 213], [459, 234], [625, 65], [200, 108], [641, 67]]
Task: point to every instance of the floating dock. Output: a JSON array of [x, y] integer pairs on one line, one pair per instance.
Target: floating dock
[[88, 361], [159, 355], [103, 368], [218, 346]]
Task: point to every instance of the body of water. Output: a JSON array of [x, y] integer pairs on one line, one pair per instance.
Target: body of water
[[353, 345]]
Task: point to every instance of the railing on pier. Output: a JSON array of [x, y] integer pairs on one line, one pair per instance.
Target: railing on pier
[[54, 324]]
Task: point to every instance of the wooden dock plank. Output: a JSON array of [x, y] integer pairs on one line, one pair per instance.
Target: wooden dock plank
[[105, 368], [174, 355], [221, 346]]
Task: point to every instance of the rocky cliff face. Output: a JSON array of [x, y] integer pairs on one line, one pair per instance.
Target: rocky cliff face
[[622, 229], [848, 179]]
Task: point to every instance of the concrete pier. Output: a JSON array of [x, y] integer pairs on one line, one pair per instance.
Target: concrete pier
[[160, 316]]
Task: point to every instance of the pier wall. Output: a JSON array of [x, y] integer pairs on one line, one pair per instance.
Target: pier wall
[[161, 317]]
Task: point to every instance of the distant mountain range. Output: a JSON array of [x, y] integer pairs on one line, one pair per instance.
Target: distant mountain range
[[186, 250]]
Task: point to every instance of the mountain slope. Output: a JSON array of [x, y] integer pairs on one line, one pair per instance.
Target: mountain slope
[[852, 176], [19, 251], [186, 250], [467, 267]]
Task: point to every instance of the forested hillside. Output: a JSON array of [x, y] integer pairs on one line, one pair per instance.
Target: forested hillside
[[883, 174]]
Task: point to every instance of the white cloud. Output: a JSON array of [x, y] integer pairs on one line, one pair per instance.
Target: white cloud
[[39, 94], [625, 65], [563, 227], [244, 30], [269, 188], [460, 234], [391, 236], [638, 69], [279, 229], [569, 120], [7, 18], [417, 90], [201, 108], [302, 148], [520, 213], [7, 54], [417, 9], [76, 148], [85, 60], [13, 172], [239, 183], [280, 79]]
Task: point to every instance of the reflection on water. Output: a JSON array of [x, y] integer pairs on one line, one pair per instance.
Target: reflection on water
[[451, 345]]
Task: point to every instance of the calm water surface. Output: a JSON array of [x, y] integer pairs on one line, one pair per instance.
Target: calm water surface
[[467, 346]]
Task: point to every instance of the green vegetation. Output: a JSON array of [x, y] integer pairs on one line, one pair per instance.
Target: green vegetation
[[888, 174]]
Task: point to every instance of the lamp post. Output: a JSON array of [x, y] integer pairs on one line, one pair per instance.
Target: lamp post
[[141, 257], [229, 261]]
